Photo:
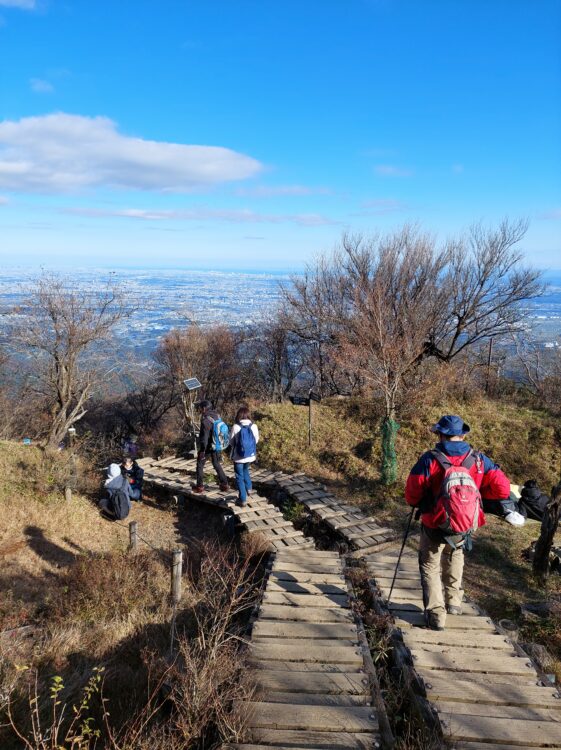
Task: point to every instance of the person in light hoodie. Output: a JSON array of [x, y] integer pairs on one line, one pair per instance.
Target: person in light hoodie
[[244, 437]]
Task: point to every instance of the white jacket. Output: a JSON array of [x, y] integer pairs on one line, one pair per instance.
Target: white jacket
[[233, 432]]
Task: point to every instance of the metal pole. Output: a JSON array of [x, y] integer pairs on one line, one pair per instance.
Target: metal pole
[[310, 419], [401, 552]]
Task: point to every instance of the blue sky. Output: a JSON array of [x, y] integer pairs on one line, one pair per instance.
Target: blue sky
[[251, 134]]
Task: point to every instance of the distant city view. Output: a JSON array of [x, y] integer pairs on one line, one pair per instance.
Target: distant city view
[[173, 298]]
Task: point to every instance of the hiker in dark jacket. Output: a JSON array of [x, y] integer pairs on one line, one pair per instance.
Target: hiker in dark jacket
[[135, 475], [115, 481], [422, 490], [208, 417]]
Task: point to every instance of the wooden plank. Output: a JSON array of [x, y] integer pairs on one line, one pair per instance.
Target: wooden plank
[[306, 600], [508, 694], [432, 676], [274, 629], [311, 718], [478, 662], [472, 728], [318, 699], [303, 567], [305, 642], [306, 588], [445, 708], [457, 640], [332, 683], [469, 622], [302, 666], [300, 577], [488, 746], [304, 614], [317, 740], [306, 653], [318, 555]]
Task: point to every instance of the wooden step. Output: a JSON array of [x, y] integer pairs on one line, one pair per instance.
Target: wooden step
[[332, 683], [311, 718]]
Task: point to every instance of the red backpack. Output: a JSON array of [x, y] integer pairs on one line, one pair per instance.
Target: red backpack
[[459, 497]]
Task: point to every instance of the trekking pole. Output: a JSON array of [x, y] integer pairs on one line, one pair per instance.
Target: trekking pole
[[401, 551]]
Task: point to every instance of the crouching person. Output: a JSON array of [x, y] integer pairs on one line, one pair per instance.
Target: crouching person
[[243, 440], [134, 475], [447, 485], [116, 504]]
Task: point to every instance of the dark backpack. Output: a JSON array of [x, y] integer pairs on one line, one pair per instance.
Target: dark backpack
[[459, 496], [533, 501], [246, 444], [119, 504]]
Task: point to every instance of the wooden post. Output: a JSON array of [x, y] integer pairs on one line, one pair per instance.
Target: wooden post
[[176, 570], [67, 494], [310, 420], [544, 544], [133, 537], [488, 375]]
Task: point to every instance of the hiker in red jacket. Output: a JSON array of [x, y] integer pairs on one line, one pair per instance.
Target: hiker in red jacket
[[452, 469]]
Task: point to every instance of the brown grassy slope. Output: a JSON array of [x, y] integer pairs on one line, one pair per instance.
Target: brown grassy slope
[[346, 454]]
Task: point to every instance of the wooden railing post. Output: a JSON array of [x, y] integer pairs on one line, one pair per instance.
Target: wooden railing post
[[176, 571], [133, 535]]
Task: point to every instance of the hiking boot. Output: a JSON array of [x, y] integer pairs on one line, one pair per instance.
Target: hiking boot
[[224, 487], [198, 489], [432, 621], [452, 609]]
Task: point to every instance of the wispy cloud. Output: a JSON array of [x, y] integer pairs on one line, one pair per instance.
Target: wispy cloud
[[270, 191], [23, 4], [40, 86], [555, 213], [390, 170], [60, 153], [379, 206], [203, 213]]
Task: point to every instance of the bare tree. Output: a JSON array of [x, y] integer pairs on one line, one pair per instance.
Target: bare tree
[[63, 328], [279, 357], [488, 288]]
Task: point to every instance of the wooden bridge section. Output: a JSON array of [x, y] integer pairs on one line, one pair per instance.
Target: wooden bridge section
[[313, 689]]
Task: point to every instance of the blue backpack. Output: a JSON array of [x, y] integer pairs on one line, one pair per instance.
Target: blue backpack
[[220, 435], [246, 445]]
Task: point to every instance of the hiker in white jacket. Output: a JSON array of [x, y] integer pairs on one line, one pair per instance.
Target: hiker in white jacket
[[244, 437]]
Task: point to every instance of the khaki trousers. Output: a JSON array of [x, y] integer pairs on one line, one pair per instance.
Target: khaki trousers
[[440, 565]]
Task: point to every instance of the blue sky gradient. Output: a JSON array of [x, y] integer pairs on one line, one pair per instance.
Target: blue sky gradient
[[321, 116]]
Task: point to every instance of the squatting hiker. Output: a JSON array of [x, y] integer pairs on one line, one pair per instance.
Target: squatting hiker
[[213, 439], [135, 475], [116, 503], [243, 440], [447, 485]]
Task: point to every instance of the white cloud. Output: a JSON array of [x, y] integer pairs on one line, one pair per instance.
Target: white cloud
[[379, 206], [202, 213], [390, 170], [269, 191], [60, 153], [40, 86], [23, 4], [553, 214]]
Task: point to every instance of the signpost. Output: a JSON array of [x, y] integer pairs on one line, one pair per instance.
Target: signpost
[[307, 401]]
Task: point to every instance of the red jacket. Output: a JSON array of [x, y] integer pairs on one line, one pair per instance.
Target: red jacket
[[426, 476]]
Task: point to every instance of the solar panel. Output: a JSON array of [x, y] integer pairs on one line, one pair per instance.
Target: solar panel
[[192, 384]]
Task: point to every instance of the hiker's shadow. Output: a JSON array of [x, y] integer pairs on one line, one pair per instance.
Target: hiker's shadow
[[49, 551]]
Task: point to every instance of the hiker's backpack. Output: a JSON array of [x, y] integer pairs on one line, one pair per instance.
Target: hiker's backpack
[[246, 444], [119, 504], [220, 435], [459, 497]]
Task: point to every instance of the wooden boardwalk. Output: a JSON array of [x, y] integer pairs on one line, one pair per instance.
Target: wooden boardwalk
[[486, 691], [313, 688]]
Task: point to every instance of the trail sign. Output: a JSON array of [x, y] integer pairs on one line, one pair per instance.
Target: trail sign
[[315, 396], [300, 400]]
